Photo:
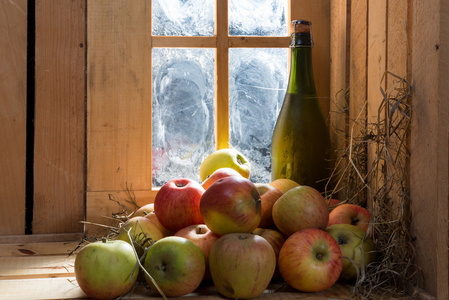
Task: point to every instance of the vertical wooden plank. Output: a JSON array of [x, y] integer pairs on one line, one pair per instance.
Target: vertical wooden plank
[[118, 95], [376, 67], [429, 147], [339, 83], [318, 12], [13, 74], [357, 90], [222, 81], [59, 158], [358, 65]]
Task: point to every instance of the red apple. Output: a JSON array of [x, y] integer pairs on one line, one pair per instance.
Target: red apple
[[106, 269], [176, 264], [276, 240], [241, 265], [299, 208], [350, 214], [201, 236], [333, 202], [231, 204], [177, 203], [310, 260], [218, 174], [357, 249], [268, 195], [143, 232]]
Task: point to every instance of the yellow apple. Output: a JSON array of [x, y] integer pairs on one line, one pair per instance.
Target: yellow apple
[[284, 184], [225, 158]]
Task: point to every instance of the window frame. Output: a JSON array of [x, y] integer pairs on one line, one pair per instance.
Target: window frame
[[221, 41]]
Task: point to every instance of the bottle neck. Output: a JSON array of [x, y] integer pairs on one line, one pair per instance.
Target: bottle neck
[[301, 74]]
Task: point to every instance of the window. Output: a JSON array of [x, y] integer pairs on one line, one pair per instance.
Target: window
[[219, 73]]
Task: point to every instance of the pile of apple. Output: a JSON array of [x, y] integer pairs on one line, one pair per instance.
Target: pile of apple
[[235, 232]]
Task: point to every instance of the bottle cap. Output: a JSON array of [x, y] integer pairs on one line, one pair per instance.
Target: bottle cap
[[301, 26], [301, 33]]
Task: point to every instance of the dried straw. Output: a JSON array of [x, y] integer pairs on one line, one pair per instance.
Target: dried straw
[[372, 172]]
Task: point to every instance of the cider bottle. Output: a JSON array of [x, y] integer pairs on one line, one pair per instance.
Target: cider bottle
[[300, 148]]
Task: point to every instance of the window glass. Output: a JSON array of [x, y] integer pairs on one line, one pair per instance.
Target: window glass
[[257, 83], [183, 17], [258, 17], [183, 112]]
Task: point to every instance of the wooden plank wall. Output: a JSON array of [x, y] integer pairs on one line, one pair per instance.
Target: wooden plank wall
[[401, 37], [118, 104], [428, 161], [13, 110], [59, 117], [59, 135]]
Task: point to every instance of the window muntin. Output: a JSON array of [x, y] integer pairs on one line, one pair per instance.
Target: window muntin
[[248, 91]]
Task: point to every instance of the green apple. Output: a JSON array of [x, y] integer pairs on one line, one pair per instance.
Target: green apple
[[176, 264], [142, 231], [225, 158], [106, 269], [357, 250]]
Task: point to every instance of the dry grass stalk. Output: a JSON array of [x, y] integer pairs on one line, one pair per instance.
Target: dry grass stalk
[[383, 188]]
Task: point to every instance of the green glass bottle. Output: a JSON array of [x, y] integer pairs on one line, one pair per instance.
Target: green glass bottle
[[300, 148]]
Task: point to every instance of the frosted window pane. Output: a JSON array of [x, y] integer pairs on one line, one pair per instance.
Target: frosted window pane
[[257, 83], [258, 17], [183, 17], [183, 112]]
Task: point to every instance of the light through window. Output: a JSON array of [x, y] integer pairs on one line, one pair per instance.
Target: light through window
[[184, 93]]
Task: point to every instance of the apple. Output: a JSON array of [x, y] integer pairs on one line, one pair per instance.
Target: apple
[[299, 208], [241, 265], [153, 218], [332, 203], [310, 260], [176, 264], [274, 237], [106, 269], [350, 214], [268, 195], [225, 158], [231, 204], [276, 240], [144, 210], [357, 250], [203, 237], [284, 184], [143, 232], [218, 174], [177, 203]]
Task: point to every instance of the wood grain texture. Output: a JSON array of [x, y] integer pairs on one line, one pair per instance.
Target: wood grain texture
[[222, 76], [13, 110], [339, 84], [376, 67], [429, 143], [118, 95], [59, 157]]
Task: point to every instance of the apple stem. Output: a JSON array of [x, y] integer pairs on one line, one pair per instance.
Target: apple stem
[[199, 230]]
